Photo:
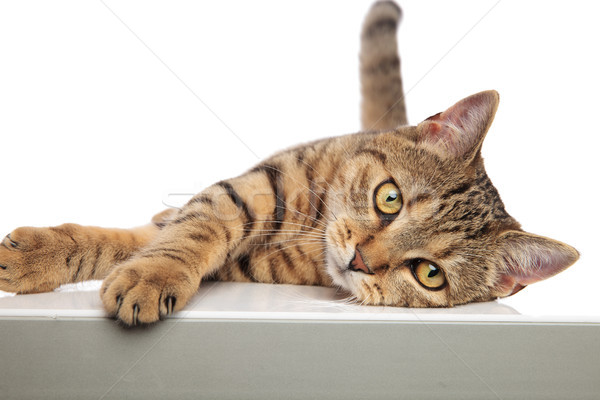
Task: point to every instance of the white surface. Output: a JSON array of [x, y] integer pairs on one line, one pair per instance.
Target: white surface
[[99, 123], [240, 301]]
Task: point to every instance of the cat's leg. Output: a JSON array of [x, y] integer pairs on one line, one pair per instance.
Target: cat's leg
[[163, 276], [40, 259]]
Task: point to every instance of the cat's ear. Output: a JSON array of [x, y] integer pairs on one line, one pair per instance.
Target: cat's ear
[[459, 131], [527, 258]]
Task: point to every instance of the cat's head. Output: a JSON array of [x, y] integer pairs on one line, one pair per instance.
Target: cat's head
[[420, 223]]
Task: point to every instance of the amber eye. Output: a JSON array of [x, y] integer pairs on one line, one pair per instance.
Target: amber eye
[[387, 198], [428, 274]]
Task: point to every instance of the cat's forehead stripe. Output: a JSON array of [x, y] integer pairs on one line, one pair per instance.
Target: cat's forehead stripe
[[375, 153]]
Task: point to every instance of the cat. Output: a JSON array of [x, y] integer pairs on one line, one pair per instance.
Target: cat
[[396, 215]]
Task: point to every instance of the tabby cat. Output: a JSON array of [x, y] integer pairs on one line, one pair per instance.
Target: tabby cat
[[397, 215]]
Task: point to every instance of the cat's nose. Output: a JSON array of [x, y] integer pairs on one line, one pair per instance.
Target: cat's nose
[[357, 264]]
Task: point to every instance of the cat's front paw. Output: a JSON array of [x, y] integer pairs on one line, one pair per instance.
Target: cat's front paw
[[142, 291], [34, 260]]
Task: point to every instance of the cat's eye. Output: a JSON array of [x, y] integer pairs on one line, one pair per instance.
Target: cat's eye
[[428, 274], [387, 198]]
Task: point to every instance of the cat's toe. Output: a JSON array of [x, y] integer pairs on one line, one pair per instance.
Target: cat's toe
[[138, 294], [33, 260], [6, 281], [136, 313], [8, 242], [11, 261], [115, 289], [140, 306], [169, 304]]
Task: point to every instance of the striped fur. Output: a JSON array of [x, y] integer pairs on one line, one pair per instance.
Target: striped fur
[[381, 84], [307, 216]]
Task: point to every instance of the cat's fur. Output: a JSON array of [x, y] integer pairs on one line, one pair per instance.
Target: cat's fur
[[309, 215]]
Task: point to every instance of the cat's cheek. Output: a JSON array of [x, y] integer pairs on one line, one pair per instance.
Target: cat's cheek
[[339, 251], [335, 272], [404, 291]]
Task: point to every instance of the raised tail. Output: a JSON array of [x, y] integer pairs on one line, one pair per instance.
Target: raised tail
[[381, 84]]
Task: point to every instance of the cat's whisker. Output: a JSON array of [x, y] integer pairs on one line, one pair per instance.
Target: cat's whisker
[[315, 220], [274, 252], [307, 188], [300, 241], [366, 299], [322, 250], [285, 232], [282, 223], [287, 236], [317, 211], [354, 300], [318, 173], [349, 299], [288, 232], [295, 237]]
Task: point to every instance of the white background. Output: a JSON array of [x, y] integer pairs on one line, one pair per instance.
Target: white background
[[107, 109]]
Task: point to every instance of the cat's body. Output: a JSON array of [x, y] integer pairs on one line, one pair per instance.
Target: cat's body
[[398, 215]]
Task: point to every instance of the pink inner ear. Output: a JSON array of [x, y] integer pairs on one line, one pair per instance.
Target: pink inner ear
[[434, 131], [461, 128], [446, 137], [530, 258], [509, 286], [535, 267]]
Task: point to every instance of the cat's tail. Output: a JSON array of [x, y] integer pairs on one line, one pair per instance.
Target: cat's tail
[[381, 84]]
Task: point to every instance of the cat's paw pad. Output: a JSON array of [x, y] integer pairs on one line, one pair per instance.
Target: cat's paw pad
[[32, 260], [144, 291]]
